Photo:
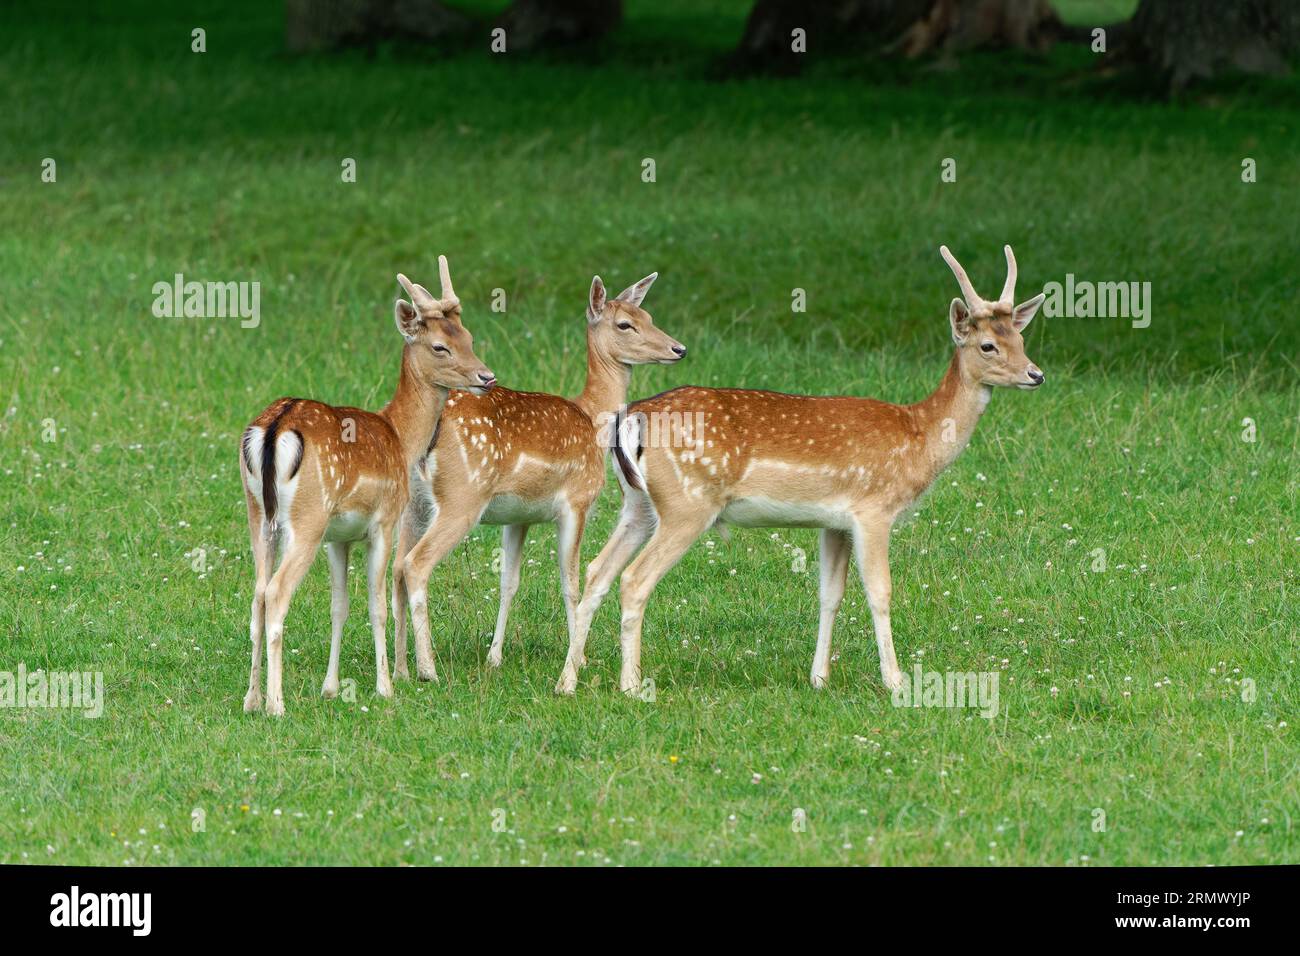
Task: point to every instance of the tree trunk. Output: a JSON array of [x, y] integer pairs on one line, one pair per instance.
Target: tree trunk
[[532, 24], [913, 27], [1183, 40], [952, 26], [315, 25]]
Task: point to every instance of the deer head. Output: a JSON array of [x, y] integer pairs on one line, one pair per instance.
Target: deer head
[[987, 334], [441, 348], [623, 332]]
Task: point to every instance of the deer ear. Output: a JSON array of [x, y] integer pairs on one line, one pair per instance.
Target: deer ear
[[596, 300], [633, 294], [1026, 311], [959, 318], [408, 319]]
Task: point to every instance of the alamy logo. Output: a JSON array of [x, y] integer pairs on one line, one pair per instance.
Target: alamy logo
[[964, 689], [208, 300], [1103, 300], [103, 909], [656, 430], [67, 690]]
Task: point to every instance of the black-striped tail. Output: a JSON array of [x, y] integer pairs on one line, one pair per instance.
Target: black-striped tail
[[269, 440], [630, 471]]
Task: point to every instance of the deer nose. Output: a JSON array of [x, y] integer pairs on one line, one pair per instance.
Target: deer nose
[[1036, 376], [680, 350], [487, 378]]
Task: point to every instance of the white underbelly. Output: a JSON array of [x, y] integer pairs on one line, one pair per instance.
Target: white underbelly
[[349, 526], [511, 509], [759, 512]]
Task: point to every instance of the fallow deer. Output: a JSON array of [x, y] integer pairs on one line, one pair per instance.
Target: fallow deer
[[848, 466], [314, 472], [517, 459]]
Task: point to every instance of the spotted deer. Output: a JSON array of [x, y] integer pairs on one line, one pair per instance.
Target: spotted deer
[[517, 459], [848, 466], [314, 472]]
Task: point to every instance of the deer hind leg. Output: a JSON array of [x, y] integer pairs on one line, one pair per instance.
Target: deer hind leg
[[376, 569], [263, 558], [676, 533], [871, 544], [337, 551], [833, 565], [447, 531], [299, 553], [635, 525], [512, 554]]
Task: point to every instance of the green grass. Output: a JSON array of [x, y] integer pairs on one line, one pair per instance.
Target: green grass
[[1120, 690]]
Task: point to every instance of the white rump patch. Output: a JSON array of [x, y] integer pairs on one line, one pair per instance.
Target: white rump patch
[[288, 452], [252, 451]]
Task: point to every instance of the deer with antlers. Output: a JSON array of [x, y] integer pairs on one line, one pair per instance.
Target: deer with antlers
[[517, 459], [848, 466], [317, 473]]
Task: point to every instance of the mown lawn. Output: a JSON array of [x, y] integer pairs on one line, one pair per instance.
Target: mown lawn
[[1157, 691]]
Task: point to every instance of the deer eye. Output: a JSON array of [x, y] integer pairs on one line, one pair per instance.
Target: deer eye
[[624, 326], [442, 348], [988, 347]]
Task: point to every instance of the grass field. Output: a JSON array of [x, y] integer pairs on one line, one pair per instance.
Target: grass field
[[1121, 690]]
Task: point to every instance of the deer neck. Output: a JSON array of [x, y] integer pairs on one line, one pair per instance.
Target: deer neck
[[607, 383], [948, 416], [414, 410]]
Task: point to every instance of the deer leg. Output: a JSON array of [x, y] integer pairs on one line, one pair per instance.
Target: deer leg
[[446, 531], [871, 544], [569, 550], [262, 559], [512, 555], [299, 554], [376, 569], [337, 551], [671, 539], [833, 566], [635, 525], [405, 538]]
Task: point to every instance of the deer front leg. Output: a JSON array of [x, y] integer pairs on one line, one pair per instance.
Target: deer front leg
[[512, 555], [446, 531], [568, 548], [833, 566], [405, 538], [376, 570], [871, 544], [338, 558]]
